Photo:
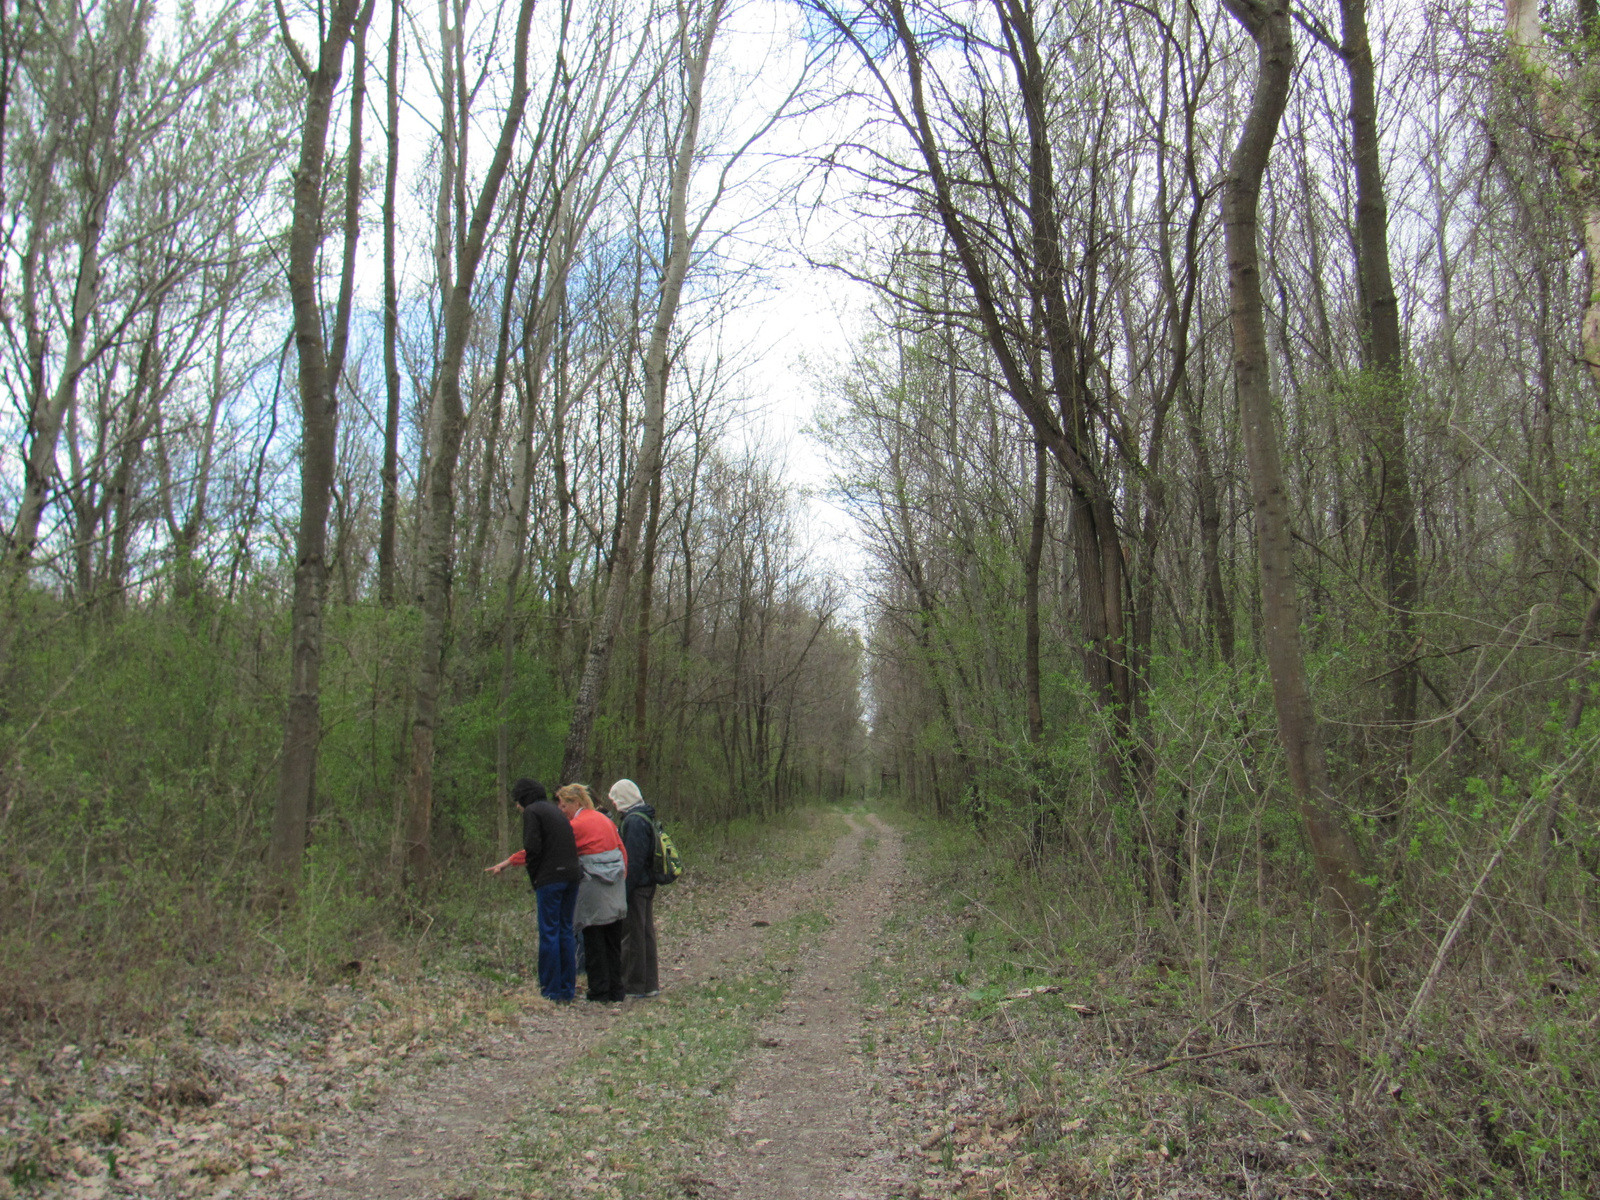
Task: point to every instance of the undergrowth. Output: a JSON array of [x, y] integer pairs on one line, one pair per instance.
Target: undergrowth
[[134, 948], [1076, 1051]]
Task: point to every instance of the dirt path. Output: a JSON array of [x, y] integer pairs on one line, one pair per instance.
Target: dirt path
[[432, 1132], [801, 1112]]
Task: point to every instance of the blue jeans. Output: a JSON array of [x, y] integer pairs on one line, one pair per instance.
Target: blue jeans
[[558, 967]]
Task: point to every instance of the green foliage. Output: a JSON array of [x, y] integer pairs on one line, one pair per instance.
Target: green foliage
[[465, 802], [141, 761]]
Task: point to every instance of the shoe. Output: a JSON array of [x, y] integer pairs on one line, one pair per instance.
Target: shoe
[[644, 995]]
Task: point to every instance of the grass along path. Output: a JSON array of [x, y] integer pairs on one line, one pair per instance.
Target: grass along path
[[439, 1136], [749, 1084], [818, 1036], [855, 1029]]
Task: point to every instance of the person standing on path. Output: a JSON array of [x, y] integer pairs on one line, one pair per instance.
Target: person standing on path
[[551, 855], [639, 972], [602, 896]]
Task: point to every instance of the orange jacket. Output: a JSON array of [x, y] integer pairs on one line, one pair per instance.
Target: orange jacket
[[595, 834]]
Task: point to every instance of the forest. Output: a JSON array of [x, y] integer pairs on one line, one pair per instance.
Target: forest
[[1216, 425], [368, 446]]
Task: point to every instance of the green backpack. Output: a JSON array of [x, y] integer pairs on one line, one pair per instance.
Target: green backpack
[[665, 865]]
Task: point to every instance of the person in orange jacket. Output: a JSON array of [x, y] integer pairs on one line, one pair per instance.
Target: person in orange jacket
[[602, 897]]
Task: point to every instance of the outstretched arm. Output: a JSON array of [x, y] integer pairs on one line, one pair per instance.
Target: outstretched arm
[[515, 860]]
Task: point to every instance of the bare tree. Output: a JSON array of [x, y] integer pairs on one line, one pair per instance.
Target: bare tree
[[1340, 871], [1005, 227], [83, 273], [435, 549], [679, 248], [320, 364], [389, 511]]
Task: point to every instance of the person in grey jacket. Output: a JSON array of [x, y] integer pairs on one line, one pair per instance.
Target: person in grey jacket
[[640, 974], [602, 900]]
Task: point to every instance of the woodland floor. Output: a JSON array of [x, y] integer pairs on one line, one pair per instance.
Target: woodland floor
[[357, 1090], [833, 1024], [799, 1114]]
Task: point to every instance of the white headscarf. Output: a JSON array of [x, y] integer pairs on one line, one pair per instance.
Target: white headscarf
[[625, 795]]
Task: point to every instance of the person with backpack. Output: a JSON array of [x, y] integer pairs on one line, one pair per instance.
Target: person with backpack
[[640, 976], [550, 853]]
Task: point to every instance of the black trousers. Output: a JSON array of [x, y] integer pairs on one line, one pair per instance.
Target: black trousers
[[602, 952], [639, 973]]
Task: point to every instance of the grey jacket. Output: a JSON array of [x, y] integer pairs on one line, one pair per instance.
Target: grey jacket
[[602, 898]]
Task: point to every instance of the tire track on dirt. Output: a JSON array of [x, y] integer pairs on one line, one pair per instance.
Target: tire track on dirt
[[802, 1125], [441, 1126]]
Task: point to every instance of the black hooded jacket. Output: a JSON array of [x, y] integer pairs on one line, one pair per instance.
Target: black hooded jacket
[[639, 843], [547, 839]]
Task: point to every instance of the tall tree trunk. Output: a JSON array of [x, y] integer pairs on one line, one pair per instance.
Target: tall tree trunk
[[680, 248], [1383, 408], [497, 391], [1219, 609], [641, 677], [561, 618], [1030, 637], [1339, 868], [111, 586], [436, 553], [390, 504], [319, 365], [511, 555]]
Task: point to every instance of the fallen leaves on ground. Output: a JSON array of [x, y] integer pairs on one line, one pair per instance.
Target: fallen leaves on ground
[[222, 1094]]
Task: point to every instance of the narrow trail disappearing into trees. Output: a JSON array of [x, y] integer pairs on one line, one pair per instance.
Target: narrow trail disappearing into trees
[[801, 1107], [798, 1122]]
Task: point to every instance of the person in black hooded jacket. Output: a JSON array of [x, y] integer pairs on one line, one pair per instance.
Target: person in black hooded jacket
[[551, 856], [640, 975]]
